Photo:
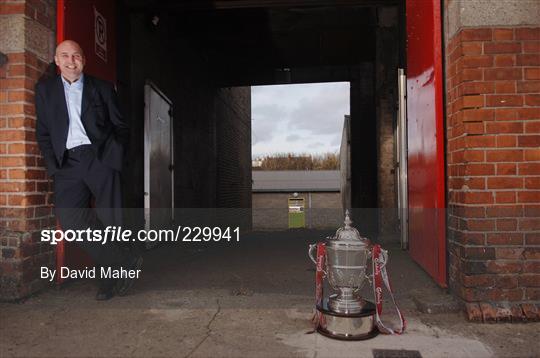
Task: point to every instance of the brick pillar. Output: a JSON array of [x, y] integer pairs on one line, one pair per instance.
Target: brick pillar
[[493, 156], [27, 38]]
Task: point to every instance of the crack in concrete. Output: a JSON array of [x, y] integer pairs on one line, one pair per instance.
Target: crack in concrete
[[208, 331]]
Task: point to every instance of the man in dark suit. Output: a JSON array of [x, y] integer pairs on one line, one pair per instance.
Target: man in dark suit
[[81, 134]]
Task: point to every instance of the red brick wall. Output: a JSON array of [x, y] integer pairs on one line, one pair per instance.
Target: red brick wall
[[24, 185], [493, 156]]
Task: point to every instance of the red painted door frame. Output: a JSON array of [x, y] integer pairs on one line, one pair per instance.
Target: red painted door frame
[[425, 128], [76, 20]]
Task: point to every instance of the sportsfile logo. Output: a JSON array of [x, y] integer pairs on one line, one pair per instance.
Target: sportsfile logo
[[118, 234], [110, 233]]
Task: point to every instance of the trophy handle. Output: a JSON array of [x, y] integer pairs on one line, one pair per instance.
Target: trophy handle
[[310, 253]]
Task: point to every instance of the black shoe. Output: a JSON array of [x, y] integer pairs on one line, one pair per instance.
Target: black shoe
[[106, 289], [124, 284]]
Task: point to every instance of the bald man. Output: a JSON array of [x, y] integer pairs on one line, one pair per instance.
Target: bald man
[[81, 134]]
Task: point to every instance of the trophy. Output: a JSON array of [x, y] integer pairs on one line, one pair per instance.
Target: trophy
[[344, 314]]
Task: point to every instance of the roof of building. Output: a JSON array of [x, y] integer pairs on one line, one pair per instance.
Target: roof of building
[[296, 180]]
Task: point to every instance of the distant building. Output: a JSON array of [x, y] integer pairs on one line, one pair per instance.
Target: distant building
[[345, 163], [320, 190]]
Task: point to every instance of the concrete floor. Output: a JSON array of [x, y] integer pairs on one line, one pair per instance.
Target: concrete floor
[[247, 299]]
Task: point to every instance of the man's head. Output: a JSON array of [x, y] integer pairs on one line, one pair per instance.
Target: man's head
[[69, 57]]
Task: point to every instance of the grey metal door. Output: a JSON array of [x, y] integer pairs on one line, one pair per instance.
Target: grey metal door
[[158, 158], [401, 172]]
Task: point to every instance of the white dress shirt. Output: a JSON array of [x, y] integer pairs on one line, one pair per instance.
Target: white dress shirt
[[76, 132]]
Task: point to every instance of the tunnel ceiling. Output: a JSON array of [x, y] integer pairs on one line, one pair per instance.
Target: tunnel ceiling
[[266, 42]]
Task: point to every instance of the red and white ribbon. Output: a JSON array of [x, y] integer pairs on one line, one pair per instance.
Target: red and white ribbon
[[319, 276], [380, 275]]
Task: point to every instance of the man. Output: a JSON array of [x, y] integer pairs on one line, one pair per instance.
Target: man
[[81, 134]]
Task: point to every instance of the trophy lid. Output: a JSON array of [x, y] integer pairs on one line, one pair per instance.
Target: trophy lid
[[348, 235]]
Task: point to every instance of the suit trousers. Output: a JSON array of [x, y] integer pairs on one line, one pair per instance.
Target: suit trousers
[[81, 177]]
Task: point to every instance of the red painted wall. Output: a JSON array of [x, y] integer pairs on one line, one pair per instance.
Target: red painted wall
[[427, 216], [76, 21]]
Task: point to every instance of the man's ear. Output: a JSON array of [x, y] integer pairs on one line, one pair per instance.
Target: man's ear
[[56, 60]]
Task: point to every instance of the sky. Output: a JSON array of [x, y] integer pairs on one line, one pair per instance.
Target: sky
[[302, 118]]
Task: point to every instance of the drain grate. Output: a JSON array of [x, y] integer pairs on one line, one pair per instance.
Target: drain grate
[[395, 353]]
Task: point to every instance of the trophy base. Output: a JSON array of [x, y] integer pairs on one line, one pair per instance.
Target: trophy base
[[348, 327]]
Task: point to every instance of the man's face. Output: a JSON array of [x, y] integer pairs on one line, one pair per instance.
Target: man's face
[[69, 58]]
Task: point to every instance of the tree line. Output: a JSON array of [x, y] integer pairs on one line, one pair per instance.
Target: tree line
[[290, 161]]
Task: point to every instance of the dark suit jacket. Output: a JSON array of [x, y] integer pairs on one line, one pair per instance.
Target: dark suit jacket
[[100, 115]]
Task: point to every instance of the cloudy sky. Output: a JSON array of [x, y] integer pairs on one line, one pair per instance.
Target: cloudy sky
[[303, 118]]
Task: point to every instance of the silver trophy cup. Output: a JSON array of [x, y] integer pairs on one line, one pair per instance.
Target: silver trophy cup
[[345, 314]]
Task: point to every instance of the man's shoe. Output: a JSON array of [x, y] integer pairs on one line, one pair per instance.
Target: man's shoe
[[106, 289], [124, 284]]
